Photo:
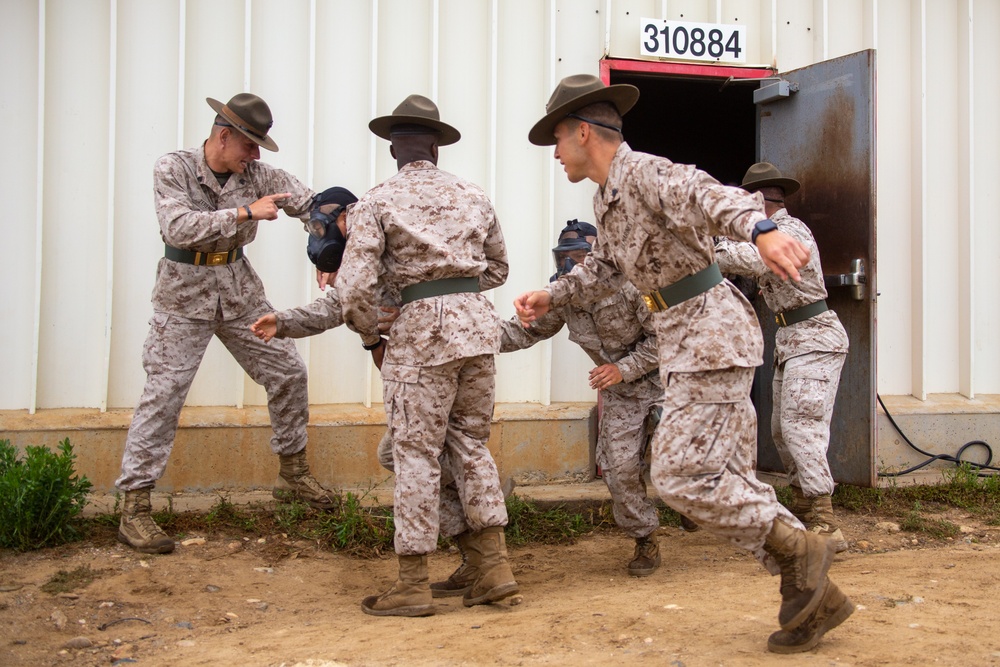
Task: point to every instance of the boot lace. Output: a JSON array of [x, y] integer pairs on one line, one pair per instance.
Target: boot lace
[[147, 525], [309, 483], [645, 549], [142, 516]]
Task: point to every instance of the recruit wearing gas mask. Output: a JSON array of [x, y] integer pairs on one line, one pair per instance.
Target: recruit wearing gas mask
[[575, 243], [326, 244]]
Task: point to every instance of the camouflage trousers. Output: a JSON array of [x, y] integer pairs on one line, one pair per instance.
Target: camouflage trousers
[[451, 516], [705, 453], [804, 391], [431, 411], [621, 444], [171, 355]]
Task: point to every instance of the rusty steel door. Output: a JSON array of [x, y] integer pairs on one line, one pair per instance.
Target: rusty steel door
[[817, 125]]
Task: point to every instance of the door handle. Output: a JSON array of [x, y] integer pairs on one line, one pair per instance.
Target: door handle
[[856, 279]]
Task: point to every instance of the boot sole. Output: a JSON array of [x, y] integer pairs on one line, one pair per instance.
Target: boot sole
[[163, 549], [495, 594], [408, 612], [828, 554], [449, 593], [646, 571], [841, 614], [413, 611]]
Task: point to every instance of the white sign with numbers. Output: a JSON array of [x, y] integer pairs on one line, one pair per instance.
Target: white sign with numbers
[[687, 40]]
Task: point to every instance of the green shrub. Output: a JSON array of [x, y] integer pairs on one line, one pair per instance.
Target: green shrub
[[40, 496]]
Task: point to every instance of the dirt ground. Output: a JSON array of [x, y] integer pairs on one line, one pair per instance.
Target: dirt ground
[[271, 602]]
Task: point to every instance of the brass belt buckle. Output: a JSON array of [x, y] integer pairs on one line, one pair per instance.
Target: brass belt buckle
[[779, 319], [216, 258], [654, 302]]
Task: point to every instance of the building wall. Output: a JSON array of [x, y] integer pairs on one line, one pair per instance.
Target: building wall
[[96, 90]]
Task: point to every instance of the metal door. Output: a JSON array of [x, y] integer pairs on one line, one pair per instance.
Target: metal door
[[817, 125]]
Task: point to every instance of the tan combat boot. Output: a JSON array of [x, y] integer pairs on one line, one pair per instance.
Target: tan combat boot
[[688, 525], [647, 556], [137, 528], [819, 519], [804, 559], [834, 609], [496, 580], [295, 483], [409, 596], [800, 504], [461, 579]]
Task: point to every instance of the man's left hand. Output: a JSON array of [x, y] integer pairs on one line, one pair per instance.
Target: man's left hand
[[605, 376], [532, 305], [324, 280], [266, 327], [783, 254], [386, 316]]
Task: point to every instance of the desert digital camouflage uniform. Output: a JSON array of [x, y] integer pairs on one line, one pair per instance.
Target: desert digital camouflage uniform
[[321, 315], [420, 225], [656, 221], [193, 303], [326, 313], [617, 330], [808, 358], [451, 515]]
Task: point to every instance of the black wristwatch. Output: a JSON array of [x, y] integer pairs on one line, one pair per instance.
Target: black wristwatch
[[762, 227], [374, 346]]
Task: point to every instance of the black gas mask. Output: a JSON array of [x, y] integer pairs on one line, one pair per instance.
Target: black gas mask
[[326, 244], [573, 247]]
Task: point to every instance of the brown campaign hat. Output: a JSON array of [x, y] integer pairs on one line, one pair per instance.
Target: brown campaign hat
[[415, 110], [250, 115], [573, 93], [764, 174]]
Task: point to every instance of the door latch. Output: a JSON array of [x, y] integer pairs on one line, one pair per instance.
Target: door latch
[[856, 279]]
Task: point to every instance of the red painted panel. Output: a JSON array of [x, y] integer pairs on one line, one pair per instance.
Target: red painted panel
[[686, 69]]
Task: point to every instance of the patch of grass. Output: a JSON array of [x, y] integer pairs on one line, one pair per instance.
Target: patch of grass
[[668, 517], [860, 500], [166, 518], [784, 494], [225, 513], [963, 488], [361, 526], [288, 515], [917, 522], [527, 523], [355, 528], [67, 582]]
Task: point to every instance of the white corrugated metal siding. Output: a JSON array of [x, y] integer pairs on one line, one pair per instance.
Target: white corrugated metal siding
[[96, 90]]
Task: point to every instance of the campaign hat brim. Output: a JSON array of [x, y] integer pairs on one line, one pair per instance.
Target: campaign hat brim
[[568, 98]]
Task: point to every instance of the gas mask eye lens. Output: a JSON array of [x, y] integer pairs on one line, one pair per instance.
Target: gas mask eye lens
[[320, 222]]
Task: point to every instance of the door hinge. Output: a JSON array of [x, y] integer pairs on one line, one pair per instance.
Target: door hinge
[[774, 89]]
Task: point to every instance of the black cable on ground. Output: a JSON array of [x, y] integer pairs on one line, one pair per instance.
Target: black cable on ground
[[956, 459]]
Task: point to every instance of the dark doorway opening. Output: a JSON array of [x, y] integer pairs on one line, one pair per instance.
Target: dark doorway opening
[[700, 115], [705, 121]]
